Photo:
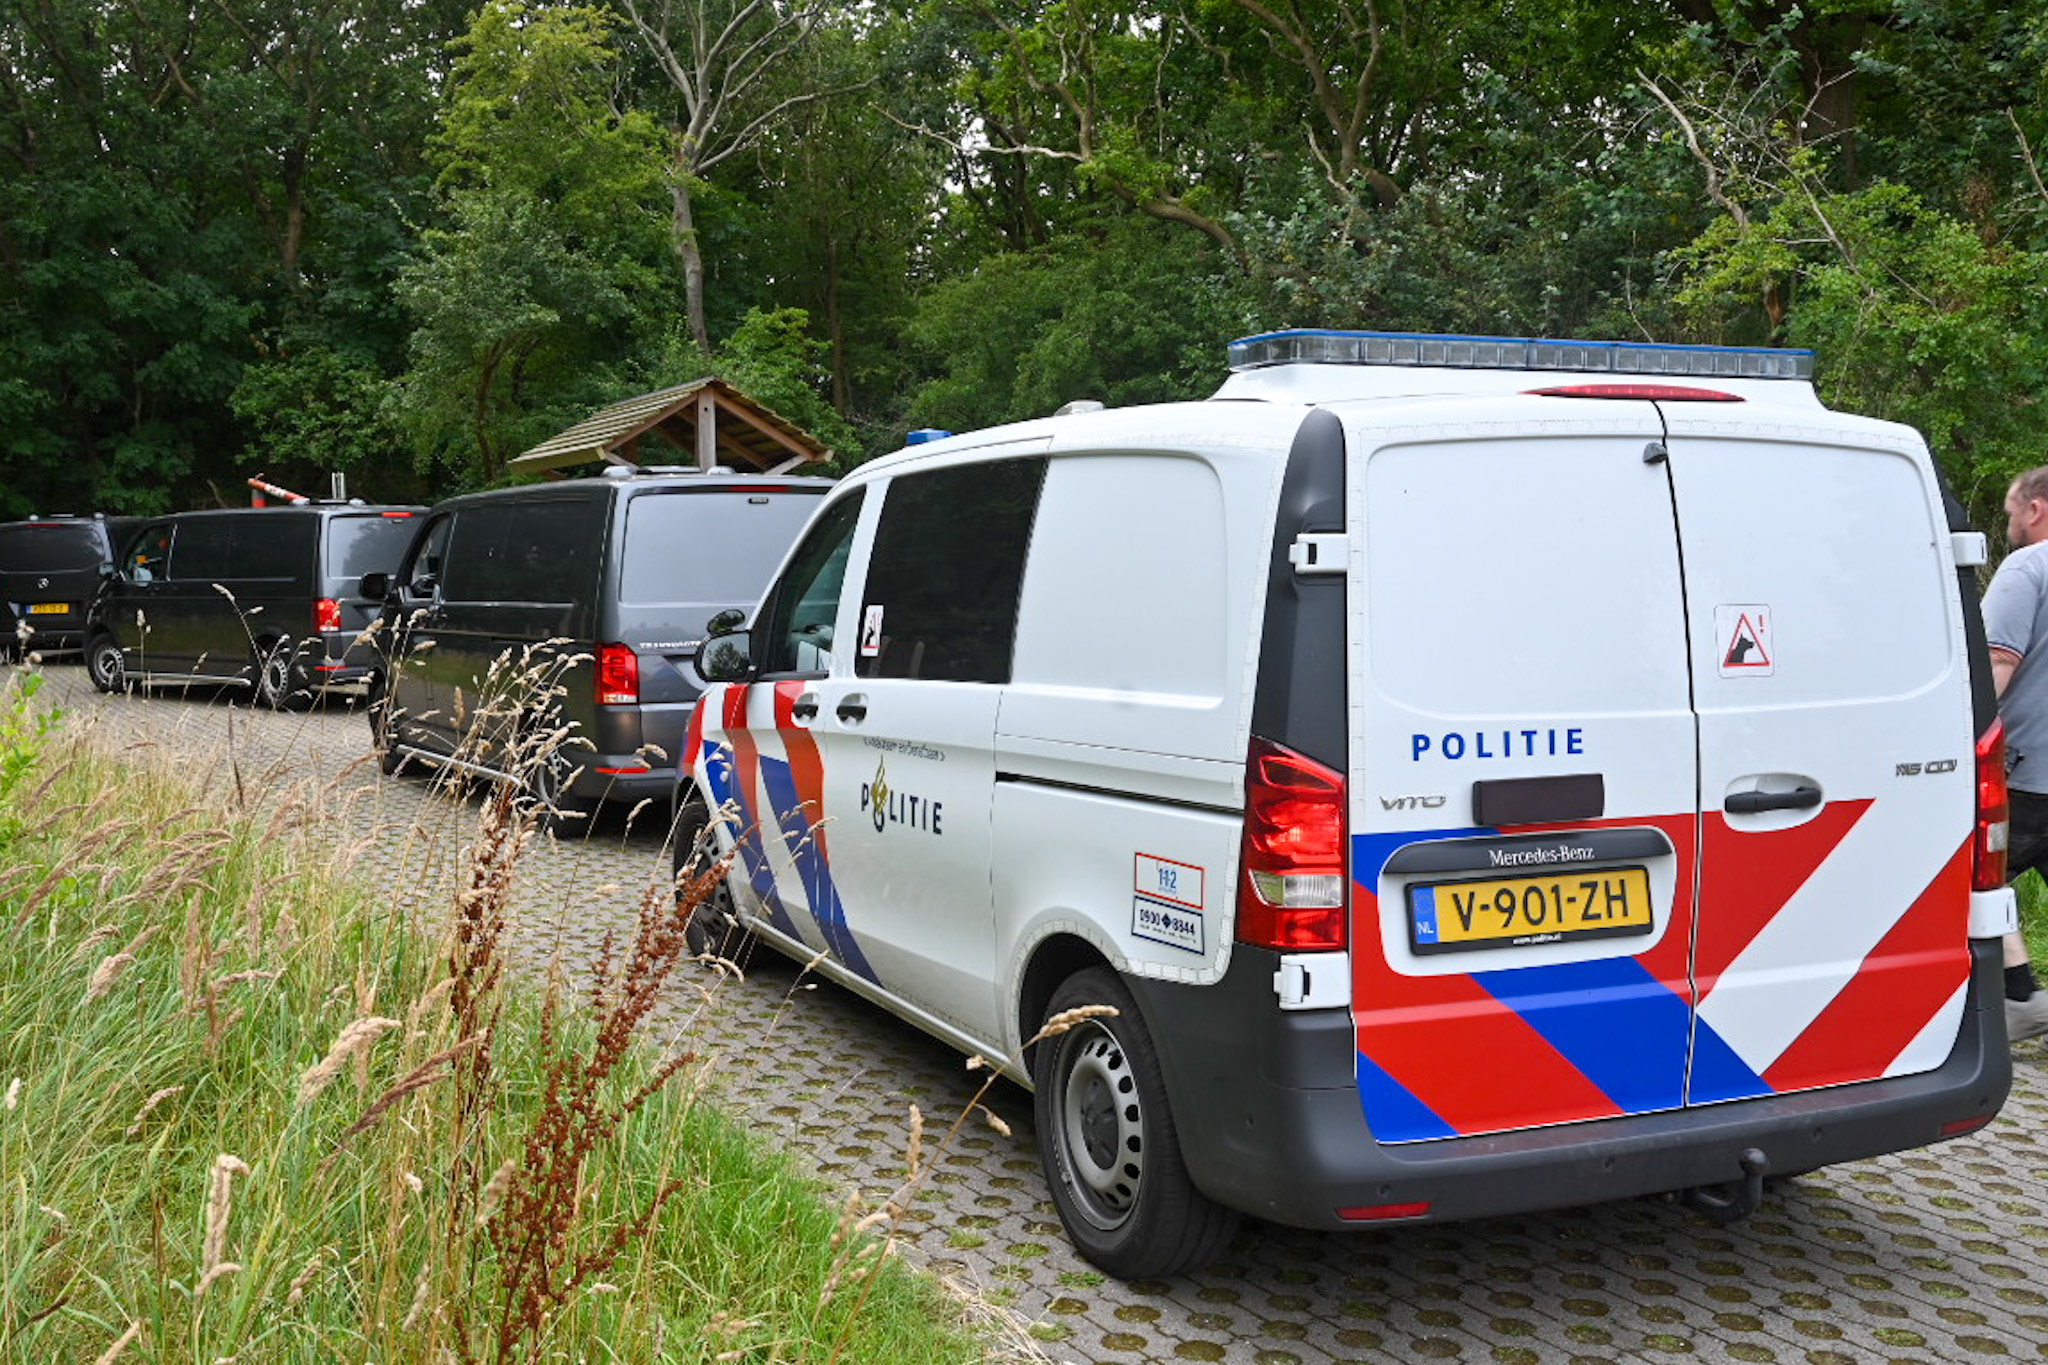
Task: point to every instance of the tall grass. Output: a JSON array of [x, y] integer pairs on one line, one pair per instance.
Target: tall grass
[[251, 1110]]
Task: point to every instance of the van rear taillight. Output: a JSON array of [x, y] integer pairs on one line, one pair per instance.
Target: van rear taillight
[[1994, 812], [1290, 894], [327, 614], [618, 676]]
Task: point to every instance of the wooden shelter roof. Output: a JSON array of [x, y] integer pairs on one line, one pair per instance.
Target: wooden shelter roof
[[704, 423]]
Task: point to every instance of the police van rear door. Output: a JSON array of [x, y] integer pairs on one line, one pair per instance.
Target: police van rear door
[[1524, 780], [1836, 780]]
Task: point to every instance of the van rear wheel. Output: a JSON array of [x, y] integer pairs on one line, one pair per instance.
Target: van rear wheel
[[281, 684], [713, 928], [549, 775], [1107, 1138]]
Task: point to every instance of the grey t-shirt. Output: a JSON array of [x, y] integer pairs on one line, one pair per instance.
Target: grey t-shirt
[[2016, 618]]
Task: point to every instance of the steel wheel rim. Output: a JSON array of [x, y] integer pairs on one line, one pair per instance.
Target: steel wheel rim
[[108, 665], [704, 856], [1101, 1125], [277, 674]]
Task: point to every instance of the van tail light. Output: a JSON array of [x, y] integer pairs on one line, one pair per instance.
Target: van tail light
[[618, 676], [327, 614], [1290, 891], [1994, 812]]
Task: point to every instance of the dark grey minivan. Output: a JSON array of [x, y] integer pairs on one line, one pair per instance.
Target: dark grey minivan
[[264, 598], [572, 608]]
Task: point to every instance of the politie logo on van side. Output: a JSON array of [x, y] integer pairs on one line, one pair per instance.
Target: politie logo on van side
[[1457, 744], [887, 806]]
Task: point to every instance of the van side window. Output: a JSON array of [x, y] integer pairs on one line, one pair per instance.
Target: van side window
[[272, 545], [539, 550], [149, 558], [423, 575], [202, 555], [941, 598], [794, 634]]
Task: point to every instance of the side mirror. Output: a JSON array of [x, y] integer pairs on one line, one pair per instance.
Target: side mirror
[[727, 621], [726, 658], [375, 586], [109, 571]]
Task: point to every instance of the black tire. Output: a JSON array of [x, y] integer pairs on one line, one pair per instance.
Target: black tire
[[281, 684], [1107, 1138], [560, 810], [104, 664], [383, 726], [713, 928]]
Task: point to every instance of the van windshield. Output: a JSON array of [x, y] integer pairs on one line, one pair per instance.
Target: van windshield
[[360, 545], [709, 547], [45, 547]]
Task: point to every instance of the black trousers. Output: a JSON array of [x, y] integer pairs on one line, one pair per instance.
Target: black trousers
[[2027, 843]]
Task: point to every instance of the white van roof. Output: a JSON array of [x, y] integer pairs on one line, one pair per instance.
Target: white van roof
[[1314, 366]]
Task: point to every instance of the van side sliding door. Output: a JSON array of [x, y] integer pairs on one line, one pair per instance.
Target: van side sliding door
[[905, 734]]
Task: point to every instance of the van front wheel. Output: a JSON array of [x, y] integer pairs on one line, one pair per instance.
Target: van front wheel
[[104, 664], [713, 928], [1107, 1138]]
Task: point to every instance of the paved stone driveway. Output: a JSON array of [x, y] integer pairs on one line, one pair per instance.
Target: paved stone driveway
[[1930, 1256]]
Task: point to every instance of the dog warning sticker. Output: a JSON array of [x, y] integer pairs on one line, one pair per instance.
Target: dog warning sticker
[[1744, 635]]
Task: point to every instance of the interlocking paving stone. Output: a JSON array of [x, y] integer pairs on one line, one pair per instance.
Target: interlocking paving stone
[[1934, 1256]]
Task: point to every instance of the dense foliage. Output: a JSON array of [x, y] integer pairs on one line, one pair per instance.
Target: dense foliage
[[405, 241]]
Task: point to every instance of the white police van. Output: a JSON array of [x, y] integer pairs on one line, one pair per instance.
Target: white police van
[[1482, 775]]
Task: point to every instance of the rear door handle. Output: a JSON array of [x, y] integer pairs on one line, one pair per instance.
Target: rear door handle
[[853, 709], [805, 708], [1752, 803]]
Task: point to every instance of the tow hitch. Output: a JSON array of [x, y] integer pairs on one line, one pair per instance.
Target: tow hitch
[[1737, 1199]]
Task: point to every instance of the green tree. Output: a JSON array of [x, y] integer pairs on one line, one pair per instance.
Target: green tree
[[179, 188], [1133, 317], [537, 298], [723, 62]]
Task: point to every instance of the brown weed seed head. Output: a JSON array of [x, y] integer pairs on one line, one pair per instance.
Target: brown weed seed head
[[103, 976], [113, 1353], [1066, 1019], [135, 1129], [297, 1289], [915, 1150], [219, 1201], [219, 1270], [354, 1038]]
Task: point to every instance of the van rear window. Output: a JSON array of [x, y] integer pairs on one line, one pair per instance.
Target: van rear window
[[360, 545], [48, 547], [708, 547]]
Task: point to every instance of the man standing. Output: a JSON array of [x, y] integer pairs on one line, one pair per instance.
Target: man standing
[[2016, 627]]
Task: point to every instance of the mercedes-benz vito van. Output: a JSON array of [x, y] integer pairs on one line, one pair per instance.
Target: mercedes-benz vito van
[[262, 598], [594, 592], [1475, 774]]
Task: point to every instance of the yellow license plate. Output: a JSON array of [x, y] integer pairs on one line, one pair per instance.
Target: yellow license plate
[[1552, 907], [48, 608]]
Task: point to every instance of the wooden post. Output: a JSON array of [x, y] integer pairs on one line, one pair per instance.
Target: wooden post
[[707, 430]]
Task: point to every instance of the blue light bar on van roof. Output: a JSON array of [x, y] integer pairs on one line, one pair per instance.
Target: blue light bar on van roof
[[1303, 347]]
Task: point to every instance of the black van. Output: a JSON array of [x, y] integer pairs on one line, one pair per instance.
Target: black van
[[264, 598], [602, 584], [49, 570]]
